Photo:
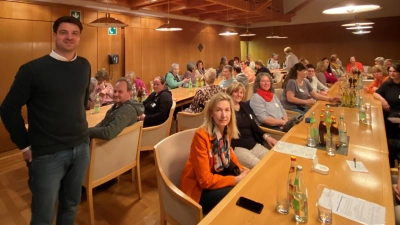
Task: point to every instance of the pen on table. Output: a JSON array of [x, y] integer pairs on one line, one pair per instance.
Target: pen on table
[[355, 163]]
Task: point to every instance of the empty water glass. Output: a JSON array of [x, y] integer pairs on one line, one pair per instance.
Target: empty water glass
[[282, 203], [324, 204]]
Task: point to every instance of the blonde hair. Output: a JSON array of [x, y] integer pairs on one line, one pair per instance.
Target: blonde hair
[[210, 76], [321, 67], [130, 75], [287, 50], [234, 87], [379, 68], [233, 132]]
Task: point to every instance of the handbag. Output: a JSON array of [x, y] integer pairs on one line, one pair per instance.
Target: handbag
[[293, 121], [232, 170]]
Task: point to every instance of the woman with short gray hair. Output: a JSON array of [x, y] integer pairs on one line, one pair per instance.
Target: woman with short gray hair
[[172, 78], [379, 61]]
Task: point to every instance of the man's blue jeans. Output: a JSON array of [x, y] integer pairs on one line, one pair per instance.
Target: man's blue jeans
[[58, 176]]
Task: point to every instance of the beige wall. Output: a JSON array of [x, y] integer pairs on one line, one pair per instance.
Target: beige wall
[[26, 34], [315, 41]]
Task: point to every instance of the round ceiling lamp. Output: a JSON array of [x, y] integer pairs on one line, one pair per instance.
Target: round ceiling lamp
[[359, 28], [358, 22], [247, 34], [228, 32], [362, 32], [351, 6], [168, 26]]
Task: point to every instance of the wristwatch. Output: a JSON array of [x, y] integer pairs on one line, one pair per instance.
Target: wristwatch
[[265, 136]]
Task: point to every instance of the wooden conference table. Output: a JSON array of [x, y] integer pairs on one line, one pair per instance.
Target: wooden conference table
[[367, 144]]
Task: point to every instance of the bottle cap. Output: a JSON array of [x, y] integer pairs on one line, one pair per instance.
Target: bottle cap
[[299, 168], [293, 158], [318, 167]]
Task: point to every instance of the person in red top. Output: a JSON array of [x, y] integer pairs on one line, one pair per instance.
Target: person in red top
[[208, 175], [353, 63], [380, 76]]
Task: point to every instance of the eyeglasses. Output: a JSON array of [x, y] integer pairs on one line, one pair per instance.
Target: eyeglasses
[[311, 71]]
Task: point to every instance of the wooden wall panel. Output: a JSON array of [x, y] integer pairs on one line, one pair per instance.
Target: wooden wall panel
[[148, 52], [315, 41]]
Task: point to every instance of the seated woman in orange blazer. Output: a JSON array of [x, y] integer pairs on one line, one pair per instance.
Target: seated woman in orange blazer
[[205, 177], [380, 76]]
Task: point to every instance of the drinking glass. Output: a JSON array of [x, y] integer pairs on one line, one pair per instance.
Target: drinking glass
[[324, 204], [311, 142], [330, 147], [282, 203]]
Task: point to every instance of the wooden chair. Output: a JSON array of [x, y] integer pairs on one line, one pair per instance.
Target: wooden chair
[[274, 133], [171, 156], [109, 159], [249, 92], [278, 77], [152, 135], [190, 120]]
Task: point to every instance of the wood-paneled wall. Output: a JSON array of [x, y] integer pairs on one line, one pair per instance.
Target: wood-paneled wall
[[26, 34], [315, 41]]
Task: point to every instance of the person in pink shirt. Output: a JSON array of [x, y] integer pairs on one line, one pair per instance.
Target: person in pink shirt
[[353, 63], [246, 69], [139, 84], [104, 90], [330, 77]]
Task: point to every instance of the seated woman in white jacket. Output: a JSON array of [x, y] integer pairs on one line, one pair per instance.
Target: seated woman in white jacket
[[315, 83]]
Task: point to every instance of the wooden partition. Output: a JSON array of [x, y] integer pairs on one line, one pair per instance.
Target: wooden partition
[[26, 34], [315, 41]]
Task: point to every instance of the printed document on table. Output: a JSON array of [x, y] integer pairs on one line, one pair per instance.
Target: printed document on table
[[357, 209], [358, 168], [293, 149]]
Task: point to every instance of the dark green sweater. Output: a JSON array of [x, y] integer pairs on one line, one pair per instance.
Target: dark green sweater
[[55, 93]]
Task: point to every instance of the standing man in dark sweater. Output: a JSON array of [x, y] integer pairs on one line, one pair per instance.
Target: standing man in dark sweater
[[55, 89]]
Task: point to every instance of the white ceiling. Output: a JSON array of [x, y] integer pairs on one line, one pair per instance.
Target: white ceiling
[[311, 13]]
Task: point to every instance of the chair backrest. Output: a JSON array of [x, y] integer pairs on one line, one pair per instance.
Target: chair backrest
[[249, 92], [278, 76], [152, 135], [278, 92], [172, 154], [109, 159], [190, 120]]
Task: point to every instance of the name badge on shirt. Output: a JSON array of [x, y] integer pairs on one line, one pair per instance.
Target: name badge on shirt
[[301, 90], [153, 104], [276, 104]]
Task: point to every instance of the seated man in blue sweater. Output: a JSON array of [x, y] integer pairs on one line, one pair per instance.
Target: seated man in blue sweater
[[123, 113]]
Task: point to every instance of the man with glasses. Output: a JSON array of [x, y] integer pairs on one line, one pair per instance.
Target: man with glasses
[[315, 83]]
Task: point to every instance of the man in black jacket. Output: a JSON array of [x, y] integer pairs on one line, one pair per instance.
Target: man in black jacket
[[123, 113]]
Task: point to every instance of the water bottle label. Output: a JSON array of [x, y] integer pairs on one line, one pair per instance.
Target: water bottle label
[[343, 137]]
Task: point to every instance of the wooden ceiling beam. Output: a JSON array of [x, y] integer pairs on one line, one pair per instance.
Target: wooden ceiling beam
[[139, 4], [300, 6], [236, 4]]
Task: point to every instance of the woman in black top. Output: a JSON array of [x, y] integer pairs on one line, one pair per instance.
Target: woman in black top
[[158, 105], [389, 95], [249, 147]]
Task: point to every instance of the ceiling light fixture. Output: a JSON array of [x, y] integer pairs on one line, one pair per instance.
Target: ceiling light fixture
[[359, 28], [272, 34], [362, 32], [247, 33], [107, 21], [351, 6], [358, 22], [168, 26], [228, 31]]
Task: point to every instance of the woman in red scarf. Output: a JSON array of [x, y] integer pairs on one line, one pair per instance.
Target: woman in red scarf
[[266, 106]]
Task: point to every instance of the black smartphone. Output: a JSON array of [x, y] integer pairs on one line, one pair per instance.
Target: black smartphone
[[250, 205], [308, 120]]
